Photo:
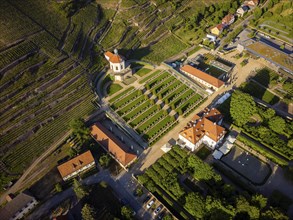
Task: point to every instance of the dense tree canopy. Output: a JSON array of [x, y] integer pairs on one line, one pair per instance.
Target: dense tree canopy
[[79, 189], [195, 205], [80, 130], [242, 107], [87, 212], [277, 124]]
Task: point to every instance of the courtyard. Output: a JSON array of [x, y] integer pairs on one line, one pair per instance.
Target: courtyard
[[247, 165], [153, 107]]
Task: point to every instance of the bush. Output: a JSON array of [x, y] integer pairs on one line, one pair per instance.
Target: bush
[[262, 150]]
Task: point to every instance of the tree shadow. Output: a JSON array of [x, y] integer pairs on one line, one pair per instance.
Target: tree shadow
[[263, 77], [136, 54]]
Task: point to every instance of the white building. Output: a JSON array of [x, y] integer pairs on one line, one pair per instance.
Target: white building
[[242, 10], [117, 65], [17, 207], [76, 165], [204, 128]]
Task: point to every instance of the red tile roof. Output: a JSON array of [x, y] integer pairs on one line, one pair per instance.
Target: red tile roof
[[227, 19], [113, 58], [106, 138], [202, 75], [220, 27], [204, 125], [76, 163]]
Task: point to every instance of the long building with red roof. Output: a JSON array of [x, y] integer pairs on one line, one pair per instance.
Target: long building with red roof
[[202, 77], [203, 128], [113, 145], [76, 165]]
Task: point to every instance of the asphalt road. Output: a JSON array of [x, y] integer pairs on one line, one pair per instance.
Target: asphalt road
[[122, 188]]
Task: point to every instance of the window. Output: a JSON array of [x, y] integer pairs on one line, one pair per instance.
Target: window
[[121, 66], [116, 67]]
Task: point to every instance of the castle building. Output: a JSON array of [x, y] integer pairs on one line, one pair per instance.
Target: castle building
[[117, 66], [204, 128]]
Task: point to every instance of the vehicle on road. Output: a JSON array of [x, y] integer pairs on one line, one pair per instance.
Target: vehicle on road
[[158, 210], [150, 203]]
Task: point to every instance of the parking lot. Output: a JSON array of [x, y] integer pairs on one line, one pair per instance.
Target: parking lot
[[153, 206]]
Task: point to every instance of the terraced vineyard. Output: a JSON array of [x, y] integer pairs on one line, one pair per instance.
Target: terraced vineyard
[[154, 109], [50, 52]]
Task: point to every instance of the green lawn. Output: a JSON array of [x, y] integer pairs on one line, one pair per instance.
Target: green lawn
[[151, 121], [159, 126], [143, 71], [132, 105], [136, 111], [113, 88], [121, 94], [125, 100], [150, 76], [144, 116]]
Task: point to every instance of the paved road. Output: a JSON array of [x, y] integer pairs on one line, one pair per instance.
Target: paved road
[[122, 187]]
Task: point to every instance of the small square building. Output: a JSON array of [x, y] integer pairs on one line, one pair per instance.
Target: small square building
[[118, 66]]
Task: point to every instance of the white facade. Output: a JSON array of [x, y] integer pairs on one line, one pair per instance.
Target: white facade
[[189, 144], [117, 67], [201, 81], [205, 139], [20, 214], [78, 171], [211, 37], [121, 77]]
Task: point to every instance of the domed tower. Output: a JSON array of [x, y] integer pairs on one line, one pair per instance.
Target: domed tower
[[117, 63], [118, 67]]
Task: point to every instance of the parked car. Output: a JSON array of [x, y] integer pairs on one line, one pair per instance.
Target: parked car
[[150, 203], [158, 210]]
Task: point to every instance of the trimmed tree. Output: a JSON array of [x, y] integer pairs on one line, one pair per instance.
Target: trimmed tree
[[87, 212], [80, 130], [126, 212], [104, 160], [79, 189], [242, 107], [58, 187]]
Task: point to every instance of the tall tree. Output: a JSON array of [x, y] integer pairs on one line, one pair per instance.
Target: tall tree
[[79, 129], [79, 189], [243, 206], [126, 212], [259, 201], [87, 212], [242, 107]]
